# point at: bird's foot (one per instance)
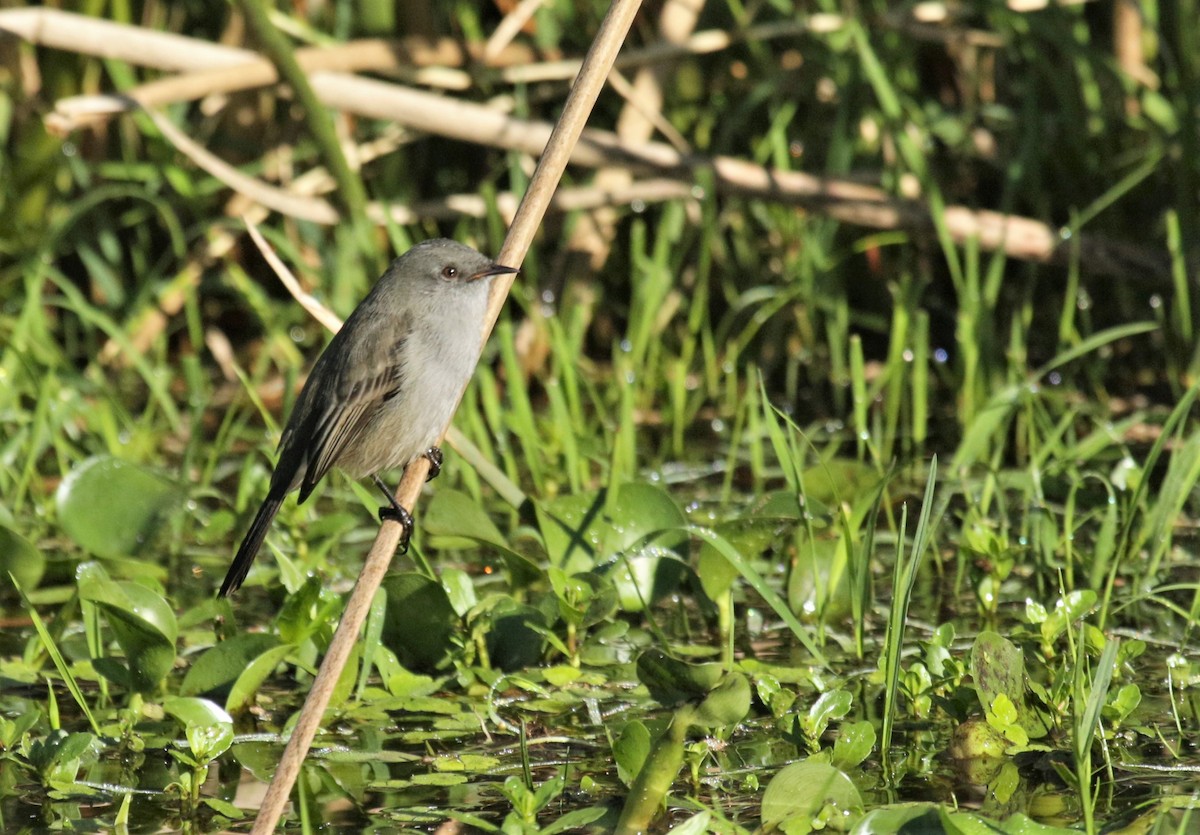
(434, 455)
(395, 512)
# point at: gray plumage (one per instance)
(385, 386)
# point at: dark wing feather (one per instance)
(351, 403)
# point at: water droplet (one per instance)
(718, 425)
(908, 355)
(940, 355)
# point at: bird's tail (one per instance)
(250, 545)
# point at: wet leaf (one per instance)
(452, 513)
(192, 712)
(630, 750)
(241, 695)
(111, 508)
(672, 682)
(142, 622)
(726, 704)
(420, 621)
(22, 558)
(809, 790)
(221, 665)
(512, 641)
(854, 744)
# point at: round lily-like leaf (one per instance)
(111, 508)
(810, 791)
(21, 558)
(644, 575)
(584, 529)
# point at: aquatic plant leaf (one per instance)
(854, 743)
(630, 750)
(809, 790)
(672, 682)
(149, 656)
(726, 704)
(453, 513)
(142, 622)
(221, 665)
(21, 558)
(512, 641)
(420, 620)
(111, 508)
(241, 695)
(193, 712)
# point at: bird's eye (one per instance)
(449, 272)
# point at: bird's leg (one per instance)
(435, 462)
(395, 512)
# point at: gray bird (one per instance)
(386, 385)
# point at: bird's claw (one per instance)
(396, 513)
(434, 456)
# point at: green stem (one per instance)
(650, 788)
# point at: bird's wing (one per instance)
(374, 376)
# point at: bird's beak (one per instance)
(494, 269)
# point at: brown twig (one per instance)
(520, 235)
(1019, 237)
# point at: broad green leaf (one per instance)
(451, 513)
(141, 621)
(832, 705)
(726, 704)
(221, 665)
(420, 621)
(854, 744)
(111, 508)
(149, 656)
(241, 695)
(585, 529)
(809, 790)
(630, 750)
(196, 712)
(901, 817)
(512, 641)
(21, 558)
(672, 682)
